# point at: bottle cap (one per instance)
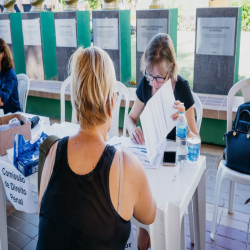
(182, 107)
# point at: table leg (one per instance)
(3, 219)
(183, 233)
(173, 231)
(199, 207)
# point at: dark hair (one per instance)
(160, 53)
(7, 61)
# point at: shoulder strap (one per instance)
(43, 152)
(120, 153)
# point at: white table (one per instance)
(173, 198)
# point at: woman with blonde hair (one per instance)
(158, 64)
(94, 190)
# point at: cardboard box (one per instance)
(7, 136)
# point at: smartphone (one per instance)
(169, 158)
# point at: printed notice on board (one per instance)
(17, 188)
(31, 32)
(106, 33)
(5, 31)
(216, 36)
(147, 28)
(65, 33)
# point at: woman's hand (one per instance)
(137, 136)
(1, 103)
(176, 106)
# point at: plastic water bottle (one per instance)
(181, 137)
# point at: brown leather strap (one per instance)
(43, 152)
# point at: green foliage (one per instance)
(245, 24)
(93, 4)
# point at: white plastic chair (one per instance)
(23, 90)
(199, 112)
(225, 172)
(123, 95)
(62, 101)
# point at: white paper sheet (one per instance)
(216, 36)
(5, 31)
(156, 119)
(65, 32)
(138, 150)
(31, 32)
(147, 28)
(105, 31)
(17, 188)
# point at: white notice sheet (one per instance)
(156, 119)
(31, 32)
(147, 28)
(105, 31)
(5, 31)
(216, 36)
(65, 32)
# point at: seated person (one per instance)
(9, 100)
(88, 203)
(158, 64)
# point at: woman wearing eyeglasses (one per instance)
(158, 63)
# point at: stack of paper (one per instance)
(139, 150)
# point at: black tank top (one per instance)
(76, 210)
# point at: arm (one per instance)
(133, 117)
(144, 203)
(6, 89)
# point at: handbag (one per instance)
(238, 145)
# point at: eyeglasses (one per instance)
(158, 79)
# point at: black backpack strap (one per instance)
(43, 152)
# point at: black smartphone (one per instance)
(169, 158)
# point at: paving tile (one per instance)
(248, 247)
(34, 220)
(14, 222)
(218, 248)
(209, 217)
(248, 239)
(239, 225)
(12, 247)
(31, 245)
(28, 229)
(229, 243)
(22, 215)
(244, 187)
(242, 193)
(10, 231)
(208, 239)
(209, 246)
(236, 215)
(210, 199)
(189, 245)
(36, 238)
(241, 208)
(19, 240)
(232, 233)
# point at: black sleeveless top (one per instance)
(76, 210)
